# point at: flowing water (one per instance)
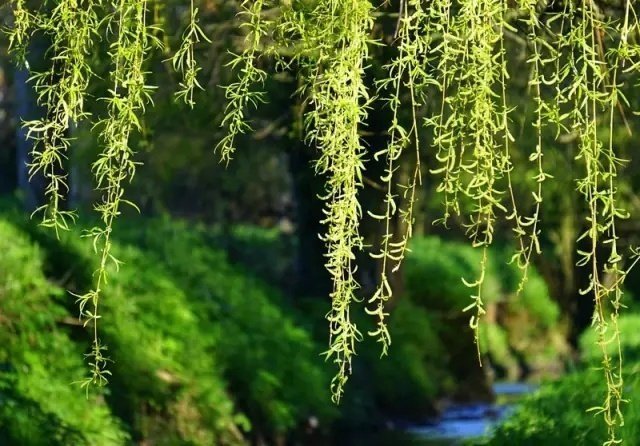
(458, 422)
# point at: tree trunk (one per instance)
(312, 279)
(8, 179)
(26, 108)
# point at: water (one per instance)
(458, 422)
(465, 421)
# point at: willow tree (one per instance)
(450, 60)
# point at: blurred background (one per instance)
(215, 320)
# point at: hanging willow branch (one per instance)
(240, 94)
(450, 59)
(445, 125)
(184, 60)
(527, 227)
(607, 324)
(339, 101)
(405, 73)
(73, 27)
(20, 32)
(115, 164)
(478, 127)
(587, 90)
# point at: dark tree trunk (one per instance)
(26, 108)
(8, 174)
(312, 279)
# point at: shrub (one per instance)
(201, 349)
(628, 323)
(271, 363)
(167, 381)
(517, 327)
(39, 405)
(409, 380)
(557, 414)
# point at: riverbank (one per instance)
(207, 352)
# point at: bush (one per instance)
(167, 380)
(201, 349)
(517, 327)
(39, 405)
(557, 414)
(432, 352)
(265, 253)
(409, 380)
(628, 324)
(435, 269)
(271, 363)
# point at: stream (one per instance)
(456, 423)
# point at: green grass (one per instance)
(203, 352)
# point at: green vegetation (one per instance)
(446, 74)
(199, 368)
(433, 354)
(40, 359)
(508, 105)
(206, 352)
(556, 414)
(447, 77)
(520, 328)
(255, 337)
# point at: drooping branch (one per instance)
(184, 60)
(451, 59)
(240, 94)
(406, 75)
(62, 89)
(115, 164)
(339, 103)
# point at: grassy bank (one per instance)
(205, 352)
